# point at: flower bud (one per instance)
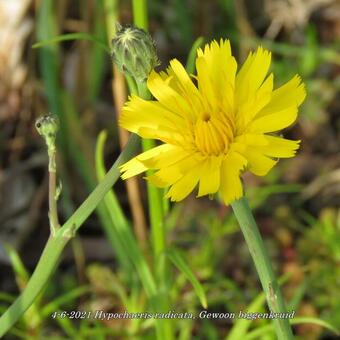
(47, 127)
(134, 52)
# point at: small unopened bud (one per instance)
(134, 52)
(47, 126)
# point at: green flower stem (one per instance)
(52, 194)
(155, 195)
(55, 245)
(140, 14)
(263, 266)
(156, 210)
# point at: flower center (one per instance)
(213, 134)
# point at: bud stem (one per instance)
(47, 126)
(52, 195)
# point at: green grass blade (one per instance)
(119, 217)
(54, 305)
(316, 321)
(6, 297)
(181, 265)
(264, 330)
(97, 55)
(140, 14)
(32, 317)
(72, 36)
(131, 249)
(68, 327)
(241, 326)
(49, 61)
(21, 273)
(190, 65)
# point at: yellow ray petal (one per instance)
(214, 50)
(205, 85)
(168, 97)
(231, 186)
(258, 163)
(274, 122)
(184, 186)
(279, 147)
(251, 139)
(185, 82)
(138, 113)
(170, 136)
(169, 155)
(257, 100)
(217, 66)
(170, 174)
(210, 176)
(252, 74)
(291, 94)
(135, 166)
(132, 168)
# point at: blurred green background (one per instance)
(296, 205)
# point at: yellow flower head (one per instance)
(214, 131)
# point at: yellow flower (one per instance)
(214, 131)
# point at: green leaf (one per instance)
(241, 326)
(179, 262)
(259, 332)
(72, 36)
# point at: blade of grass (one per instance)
(68, 327)
(140, 14)
(184, 20)
(119, 221)
(128, 241)
(54, 305)
(131, 249)
(6, 297)
(190, 65)
(32, 317)
(257, 333)
(241, 326)
(72, 36)
(181, 265)
(98, 56)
